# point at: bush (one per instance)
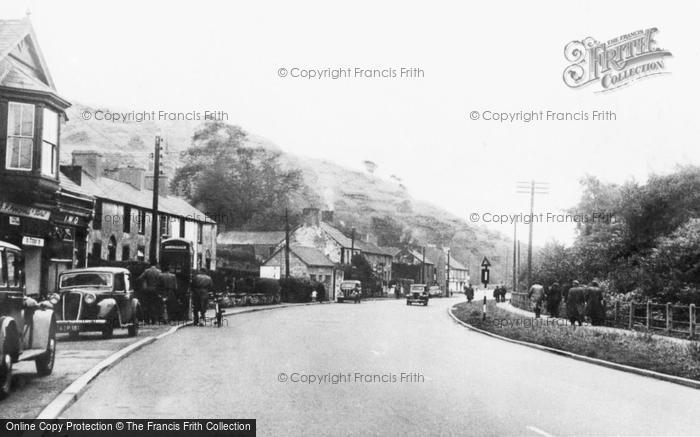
(295, 290)
(266, 286)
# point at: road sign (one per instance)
(485, 276)
(485, 263)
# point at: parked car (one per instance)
(418, 293)
(434, 291)
(27, 327)
(350, 290)
(97, 299)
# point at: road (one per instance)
(462, 383)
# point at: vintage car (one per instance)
(350, 290)
(97, 299)
(434, 291)
(418, 293)
(27, 327)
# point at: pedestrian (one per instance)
(168, 294)
(470, 293)
(503, 293)
(536, 295)
(595, 309)
(201, 285)
(553, 297)
(149, 281)
(576, 304)
(497, 293)
(397, 290)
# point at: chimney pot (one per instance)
(311, 216)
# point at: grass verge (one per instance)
(639, 349)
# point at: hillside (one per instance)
(356, 197)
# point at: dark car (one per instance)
(97, 299)
(350, 290)
(418, 293)
(27, 327)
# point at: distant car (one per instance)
(27, 327)
(418, 293)
(350, 290)
(434, 291)
(97, 299)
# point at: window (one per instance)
(313, 278)
(119, 283)
(112, 248)
(127, 219)
(97, 221)
(200, 231)
(141, 253)
(49, 143)
(164, 225)
(97, 249)
(20, 136)
(126, 252)
(15, 269)
(3, 272)
(182, 228)
(142, 222)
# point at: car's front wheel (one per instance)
(44, 364)
(5, 375)
(134, 328)
(108, 330)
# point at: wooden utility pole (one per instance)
(286, 243)
(155, 237)
(422, 267)
(531, 188)
(515, 256)
(447, 289)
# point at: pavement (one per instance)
(529, 314)
(380, 368)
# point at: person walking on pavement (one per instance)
(168, 294)
(536, 295)
(553, 297)
(502, 293)
(201, 284)
(595, 308)
(576, 304)
(470, 293)
(149, 280)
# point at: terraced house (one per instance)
(121, 230)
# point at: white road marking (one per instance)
(539, 431)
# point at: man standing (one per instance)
(536, 295)
(150, 280)
(502, 293)
(594, 304)
(201, 284)
(168, 294)
(576, 304)
(553, 297)
(470, 293)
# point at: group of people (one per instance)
(164, 299)
(580, 301)
(499, 293)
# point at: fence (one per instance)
(668, 318)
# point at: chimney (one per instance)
(73, 172)
(327, 216)
(311, 216)
(163, 185)
(133, 176)
(90, 161)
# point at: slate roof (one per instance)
(337, 235)
(456, 265)
(272, 238)
(120, 192)
(13, 73)
(372, 248)
(310, 256)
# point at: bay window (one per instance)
(49, 143)
(20, 136)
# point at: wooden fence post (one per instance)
(631, 322)
(648, 315)
(692, 321)
(617, 311)
(669, 317)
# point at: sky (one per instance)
(501, 56)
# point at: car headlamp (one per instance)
(90, 298)
(54, 298)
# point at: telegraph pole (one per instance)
(531, 188)
(515, 255)
(154, 213)
(286, 243)
(447, 289)
(422, 267)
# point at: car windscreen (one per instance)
(417, 288)
(86, 279)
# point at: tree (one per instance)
(241, 187)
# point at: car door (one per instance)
(12, 286)
(120, 296)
